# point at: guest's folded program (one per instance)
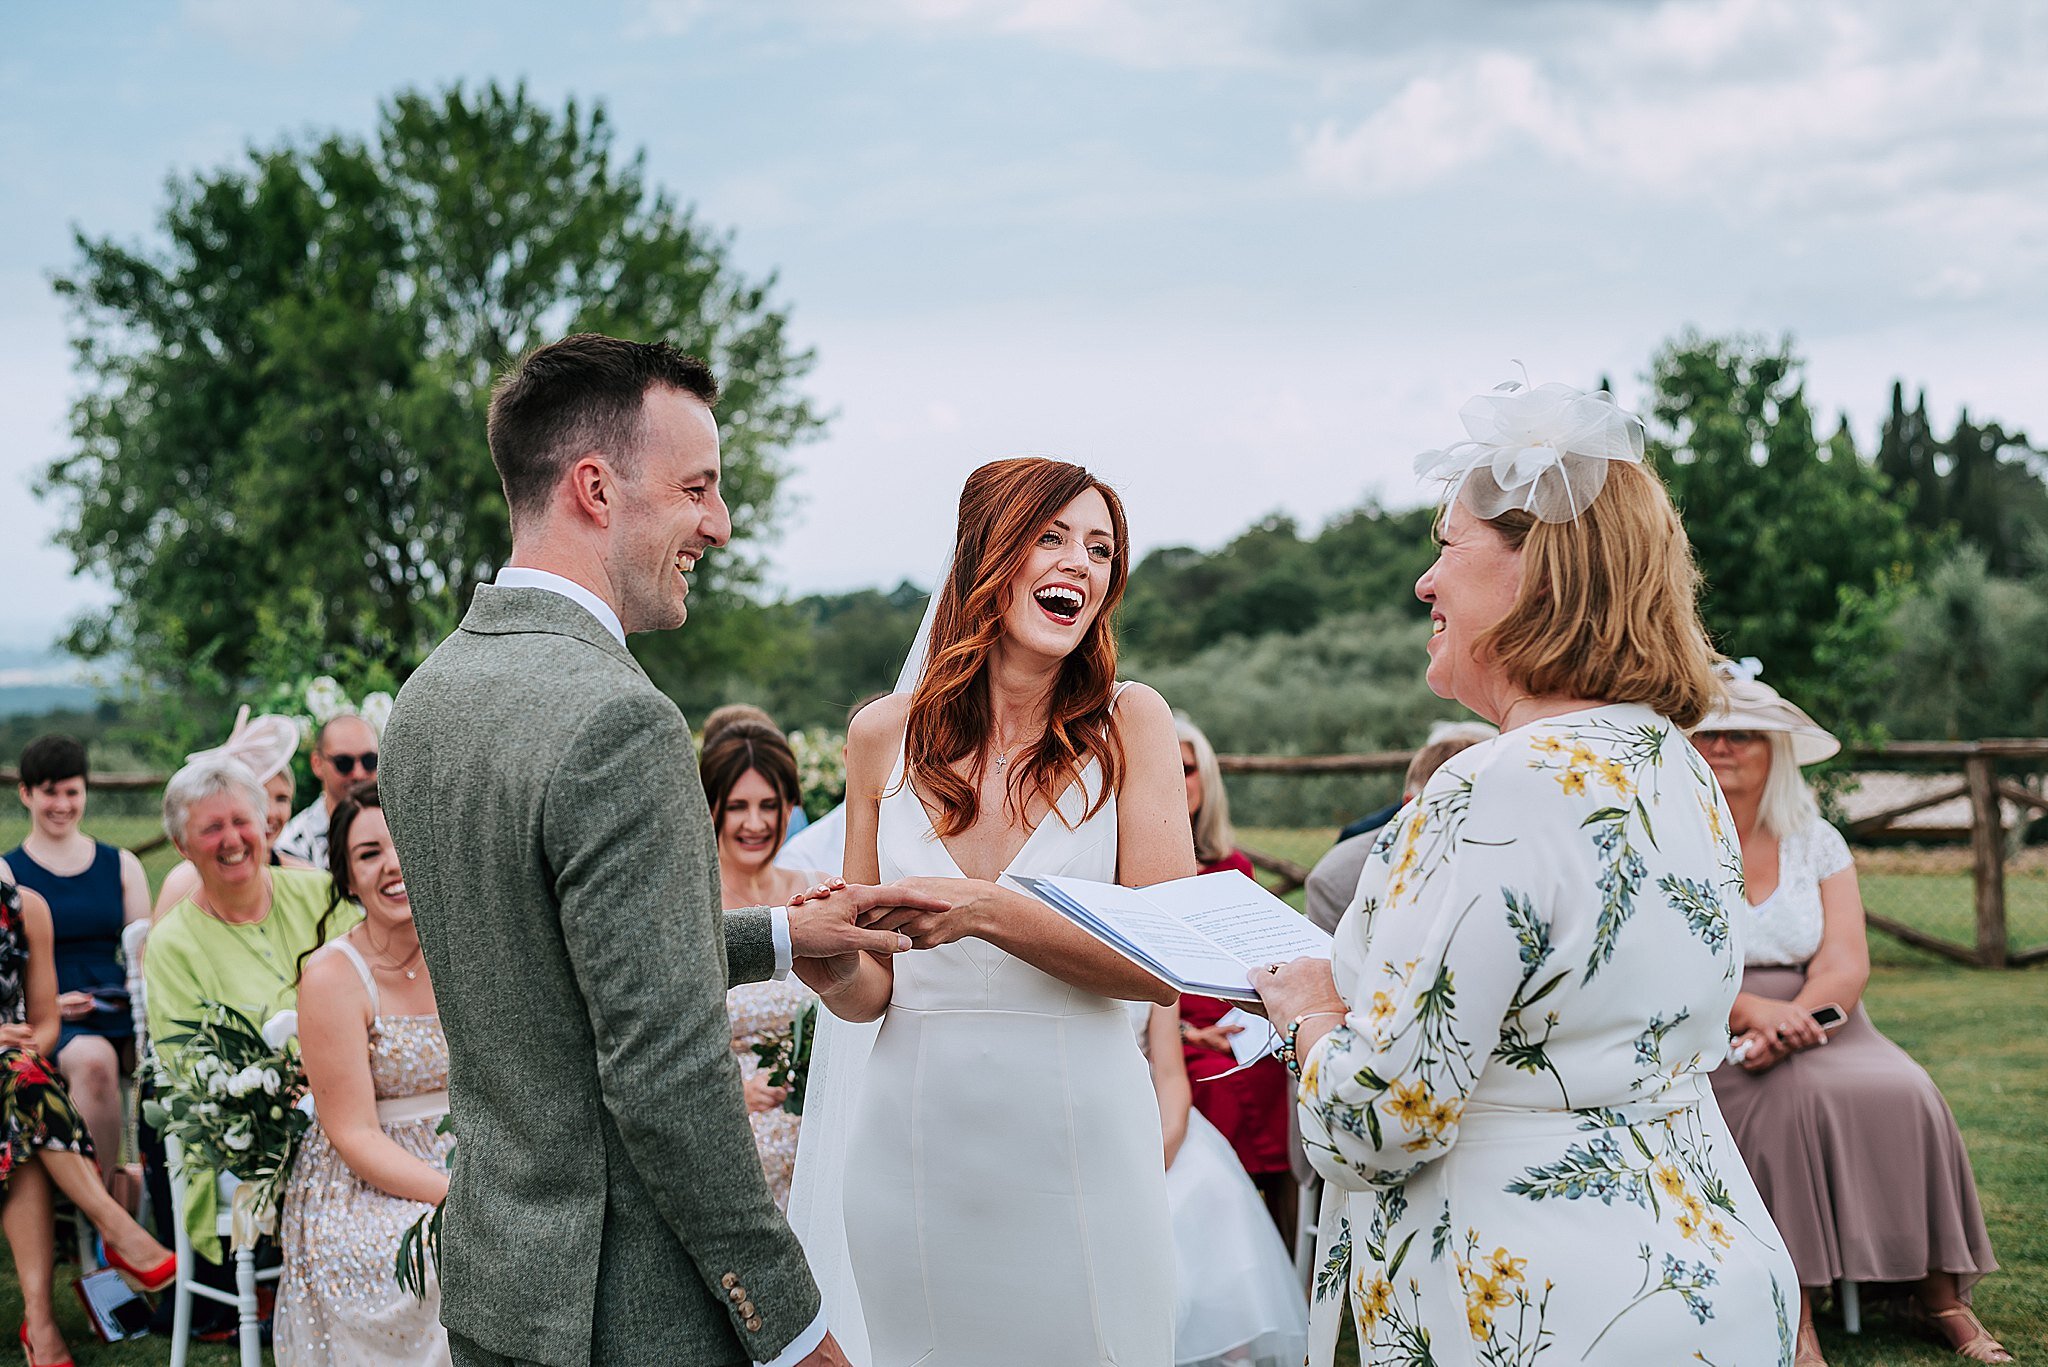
(1848, 1138)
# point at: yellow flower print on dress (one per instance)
(1670, 1180)
(1375, 1301)
(1504, 1268)
(1410, 1104)
(1573, 781)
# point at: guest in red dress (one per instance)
(1249, 1107)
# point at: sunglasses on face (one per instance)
(346, 764)
(1732, 737)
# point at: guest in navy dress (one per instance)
(93, 890)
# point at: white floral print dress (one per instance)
(1525, 1164)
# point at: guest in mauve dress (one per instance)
(1250, 1108)
(1851, 1145)
(750, 781)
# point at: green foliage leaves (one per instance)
(281, 450)
(1803, 549)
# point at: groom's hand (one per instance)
(826, 1354)
(825, 922)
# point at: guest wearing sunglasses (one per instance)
(344, 754)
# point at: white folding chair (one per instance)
(1851, 1302)
(243, 1298)
(1308, 1212)
(130, 1140)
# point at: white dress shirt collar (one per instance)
(524, 577)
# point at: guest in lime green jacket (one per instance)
(238, 938)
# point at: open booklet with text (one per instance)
(1204, 934)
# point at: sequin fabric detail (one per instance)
(339, 1305)
(759, 1010)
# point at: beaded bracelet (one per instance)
(1290, 1055)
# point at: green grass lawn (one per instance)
(1976, 1032)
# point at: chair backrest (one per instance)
(133, 935)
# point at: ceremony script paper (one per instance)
(1204, 934)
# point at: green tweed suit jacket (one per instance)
(606, 1201)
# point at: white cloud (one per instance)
(666, 18)
(1837, 103)
(277, 31)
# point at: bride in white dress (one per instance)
(1004, 1198)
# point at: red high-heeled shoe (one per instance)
(150, 1280)
(30, 1358)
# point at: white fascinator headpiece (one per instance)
(265, 745)
(1543, 449)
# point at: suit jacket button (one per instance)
(746, 1310)
(754, 1325)
(736, 1294)
(729, 1280)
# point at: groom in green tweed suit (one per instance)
(606, 1202)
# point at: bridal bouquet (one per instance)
(229, 1092)
(786, 1057)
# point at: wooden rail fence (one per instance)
(1985, 779)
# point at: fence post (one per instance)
(1987, 843)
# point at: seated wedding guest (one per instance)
(1503, 1067)
(722, 717)
(344, 754)
(375, 1162)
(1237, 1302)
(1335, 876)
(93, 890)
(42, 1139)
(1248, 1107)
(821, 845)
(238, 938)
(1851, 1144)
(750, 784)
(265, 745)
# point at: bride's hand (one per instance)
(968, 902)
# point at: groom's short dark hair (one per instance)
(583, 393)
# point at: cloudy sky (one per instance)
(1237, 255)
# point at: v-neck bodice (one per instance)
(972, 974)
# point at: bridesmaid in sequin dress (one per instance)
(378, 1065)
(750, 780)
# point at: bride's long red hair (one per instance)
(1003, 509)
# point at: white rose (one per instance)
(325, 700)
(376, 710)
(271, 1081)
(305, 1106)
(238, 1140)
(279, 1028)
(217, 1084)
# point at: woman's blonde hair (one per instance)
(1788, 806)
(1609, 604)
(1215, 837)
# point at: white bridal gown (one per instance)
(1005, 1203)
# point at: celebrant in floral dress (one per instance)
(750, 781)
(376, 1162)
(1504, 1066)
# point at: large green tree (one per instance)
(1802, 545)
(1983, 485)
(280, 453)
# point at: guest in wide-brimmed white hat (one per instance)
(1851, 1144)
